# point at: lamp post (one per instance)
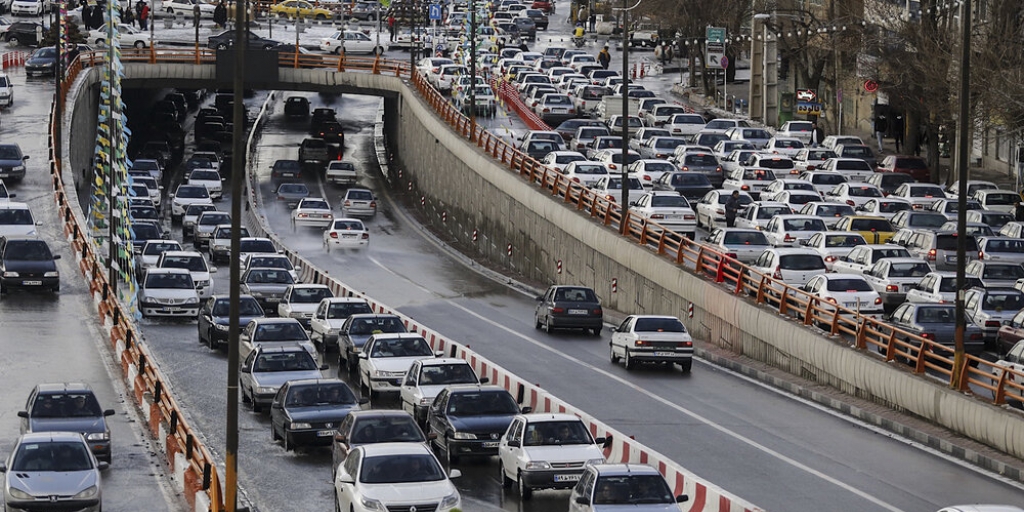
(963, 141)
(624, 176)
(472, 70)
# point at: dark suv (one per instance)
(26, 262)
(68, 407)
(296, 106)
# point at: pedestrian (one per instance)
(73, 53)
(391, 26)
(96, 22)
(881, 126)
(604, 58)
(593, 21)
(583, 15)
(138, 12)
(220, 14)
(665, 53)
(897, 132)
(817, 134)
(732, 207)
(144, 16)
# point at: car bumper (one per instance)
(263, 399)
(269, 303)
(474, 447)
(311, 437)
(384, 385)
(351, 242)
(177, 310)
(217, 252)
(552, 478)
(570, 322)
(341, 180)
(660, 356)
(62, 505)
(12, 174)
(893, 299)
(313, 223)
(38, 70)
(360, 212)
(101, 449)
(31, 282)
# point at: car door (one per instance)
(26, 425)
(510, 447)
(278, 415)
(622, 335)
(875, 275)
(347, 477)
(245, 373)
(365, 362)
(583, 489)
(546, 301)
(410, 391)
(437, 419)
(318, 324)
(771, 231)
(205, 320)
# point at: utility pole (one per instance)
(625, 114)
(963, 139)
(113, 188)
(472, 70)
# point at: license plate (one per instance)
(664, 354)
(850, 304)
(348, 236)
(325, 433)
(673, 217)
(5, 175)
(32, 283)
(567, 478)
(950, 259)
(577, 311)
(288, 174)
(491, 444)
(558, 110)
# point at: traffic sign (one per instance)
(725, 62)
(806, 95)
(715, 35)
(870, 85)
(435, 12)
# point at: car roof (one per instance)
(13, 206)
(384, 449)
(308, 286)
(166, 270)
(547, 416)
(788, 251)
(63, 387)
(842, 276)
(51, 436)
(269, 320)
(397, 335)
(468, 388)
(624, 469)
(438, 361)
(277, 348)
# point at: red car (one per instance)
(545, 5)
(912, 165)
(1010, 334)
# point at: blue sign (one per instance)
(435, 12)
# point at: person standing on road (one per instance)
(593, 21)
(881, 126)
(897, 132)
(582, 15)
(144, 16)
(732, 207)
(391, 26)
(604, 58)
(817, 134)
(220, 14)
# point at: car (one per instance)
(341, 173)
(735, 159)
(296, 106)
(196, 266)
(681, 125)
(301, 300)
(809, 159)
(854, 169)
(862, 257)
(55, 469)
(26, 262)
(151, 251)
(857, 151)
(609, 187)
(889, 182)
(585, 135)
(829, 212)
(744, 245)
(467, 419)
(214, 318)
(920, 195)
(546, 451)
(307, 412)
(274, 332)
(995, 274)
(286, 170)
(42, 60)
(953, 191)
(486, 102)
(892, 278)
(796, 199)
(850, 291)
(394, 476)
(291, 193)
(312, 212)
(876, 230)
(660, 115)
(12, 163)
(266, 285)
(651, 339)
(937, 323)
(1000, 248)
(168, 292)
(833, 245)
(692, 186)
(127, 35)
(669, 210)
(1013, 229)
(710, 209)
(602, 143)
(266, 368)
(385, 359)
(721, 125)
(997, 200)
(359, 202)
(6, 90)
(1008, 341)
(361, 427)
(585, 172)
(914, 166)
(651, 169)
(293, 9)
(823, 181)
(725, 148)
(758, 213)
(918, 220)
(426, 379)
(831, 141)
(704, 163)
(149, 165)
(346, 233)
(220, 242)
(557, 160)
(756, 136)
(569, 307)
(187, 6)
(226, 39)
(16, 219)
(789, 230)
(988, 309)
(939, 287)
(351, 41)
(974, 229)
(853, 194)
(205, 224)
(939, 248)
(330, 316)
(356, 330)
(750, 180)
(568, 128)
(800, 130)
(609, 487)
(783, 146)
(886, 207)
(68, 407)
(186, 195)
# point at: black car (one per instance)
(373, 426)
(41, 62)
(569, 307)
(527, 28)
(330, 132)
(568, 128)
(320, 116)
(12, 162)
(469, 419)
(540, 20)
(356, 330)
(286, 170)
(144, 212)
(214, 318)
(143, 230)
(296, 106)
(691, 185)
(25, 32)
(68, 407)
(308, 412)
(26, 262)
(226, 40)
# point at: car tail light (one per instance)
(810, 167)
(657, 216)
(732, 255)
(348, 203)
(981, 255)
(684, 344)
(745, 187)
(931, 255)
(685, 168)
(660, 155)
(334, 234)
(976, 336)
(892, 288)
(778, 273)
(576, 180)
(789, 238)
(557, 310)
(641, 343)
(928, 336)
(545, 110)
(597, 311)
(718, 169)
(878, 300)
(610, 198)
(647, 178)
(850, 202)
(572, 110)
(830, 259)
(687, 216)
(303, 215)
(612, 166)
(720, 211)
(992, 323)
(830, 299)
(373, 204)
(366, 236)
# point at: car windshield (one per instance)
(342, 310)
(682, 178)
(801, 262)
(744, 238)
(996, 271)
(190, 263)
(256, 246)
(834, 210)
(864, 192)
(775, 163)
(948, 284)
(893, 206)
(568, 159)
(590, 169)
(788, 143)
(203, 175)
(293, 361)
(319, 395)
(401, 347)
(608, 142)
(140, 231)
(195, 210)
(616, 184)
(385, 430)
(292, 188)
(52, 456)
(895, 252)
(926, 191)
(169, 281)
(828, 179)
(371, 325)
(214, 220)
(667, 201)
(267, 276)
(927, 220)
(311, 295)
(269, 262)
(872, 225)
(15, 216)
(857, 151)
(948, 242)
(1016, 246)
(1003, 301)
(852, 165)
(767, 212)
(758, 175)
(247, 306)
(936, 314)
(28, 250)
(460, 373)
(348, 225)
(192, 192)
(280, 331)
(844, 240)
(658, 324)
(65, 405)
(314, 204)
(848, 285)
(632, 490)
(575, 295)
(699, 160)
(401, 468)
(911, 269)
(823, 154)
(555, 433)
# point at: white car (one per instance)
(205, 225)
(210, 179)
(394, 476)
(168, 292)
(823, 181)
(780, 185)
(756, 136)
(831, 141)
(681, 125)
(610, 188)
(721, 125)
(274, 332)
(632, 487)
(796, 199)
(186, 6)
(300, 301)
(429, 67)
(780, 164)
(152, 250)
(612, 158)
(736, 159)
(16, 219)
(385, 359)
(710, 209)
(347, 233)
(351, 41)
(650, 169)
(827, 211)
(800, 130)
(920, 195)
(744, 245)
(750, 180)
(791, 265)
(892, 278)
(312, 212)
(669, 210)
(784, 146)
(585, 172)
(191, 216)
(834, 245)
(329, 317)
(186, 195)
(27, 8)
(854, 194)
(997, 200)
(953, 191)
(651, 339)
(939, 287)
(809, 159)
(427, 377)
(359, 202)
(794, 229)
(884, 207)
(949, 208)
(850, 291)
(863, 257)
(128, 35)
(854, 169)
(546, 451)
(6, 90)
(196, 266)
(557, 160)
(757, 215)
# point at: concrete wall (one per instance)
(82, 136)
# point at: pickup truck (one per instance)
(313, 151)
(341, 173)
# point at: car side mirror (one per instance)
(582, 500)
(484, 380)
(706, 239)
(439, 353)
(362, 355)
(245, 369)
(275, 405)
(108, 412)
(682, 498)
(340, 438)
(12, 196)
(102, 466)
(526, 410)
(345, 478)
(454, 473)
(325, 367)
(25, 157)
(23, 414)
(3, 467)
(540, 298)
(213, 270)
(364, 401)
(805, 243)
(56, 256)
(515, 442)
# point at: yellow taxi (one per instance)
(301, 9)
(875, 230)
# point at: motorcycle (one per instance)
(579, 41)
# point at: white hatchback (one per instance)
(385, 359)
(546, 451)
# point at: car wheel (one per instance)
(13, 41)
(596, 331)
(351, 361)
(547, 326)
(140, 44)
(506, 482)
(245, 397)
(337, 51)
(320, 17)
(525, 491)
(628, 361)
(536, 323)
(55, 289)
(686, 366)
(286, 441)
(611, 354)
(170, 10)
(99, 42)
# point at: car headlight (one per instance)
(373, 505)
(52, 274)
(426, 401)
(450, 501)
(91, 492)
(463, 435)
(266, 389)
(300, 425)
(593, 462)
(192, 300)
(10, 274)
(221, 327)
(20, 494)
(538, 464)
(98, 436)
(18, 168)
(48, 65)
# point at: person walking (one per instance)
(817, 134)
(732, 207)
(604, 58)
(583, 15)
(593, 20)
(144, 16)
(391, 26)
(881, 126)
(220, 14)
(897, 132)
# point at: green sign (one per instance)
(716, 35)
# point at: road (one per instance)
(47, 338)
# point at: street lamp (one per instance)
(624, 176)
